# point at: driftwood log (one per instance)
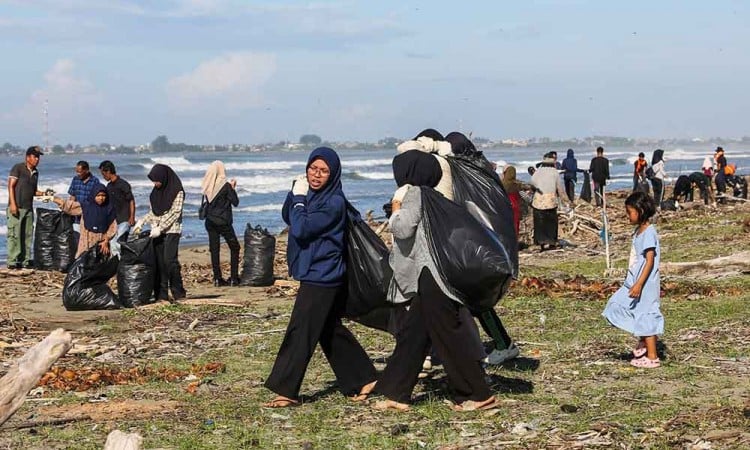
(27, 372)
(118, 440)
(736, 263)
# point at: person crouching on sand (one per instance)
(315, 211)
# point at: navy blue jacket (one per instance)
(315, 248)
(570, 165)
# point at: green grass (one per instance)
(573, 360)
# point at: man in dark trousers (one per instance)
(22, 187)
(720, 161)
(599, 169)
(570, 166)
(121, 194)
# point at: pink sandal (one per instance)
(645, 363)
(639, 352)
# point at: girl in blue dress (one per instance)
(635, 306)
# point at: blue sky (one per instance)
(230, 71)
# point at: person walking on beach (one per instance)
(432, 142)
(220, 196)
(657, 180)
(720, 163)
(434, 316)
(549, 192)
(98, 219)
(165, 217)
(635, 307)
(570, 176)
(120, 195)
(504, 349)
(599, 169)
(23, 181)
(315, 210)
(639, 173)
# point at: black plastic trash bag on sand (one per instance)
(470, 257)
(85, 286)
(477, 188)
(586, 188)
(367, 269)
(54, 246)
(137, 271)
(257, 264)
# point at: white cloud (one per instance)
(72, 99)
(233, 81)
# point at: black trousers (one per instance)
(316, 318)
(599, 193)
(658, 186)
(168, 273)
(570, 188)
(433, 318)
(214, 246)
(493, 326)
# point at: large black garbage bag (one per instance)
(54, 246)
(257, 264)
(137, 271)
(470, 257)
(85, 286)
(586, 188)
(367, 269)
(476, 187)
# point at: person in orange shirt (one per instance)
(639, 174)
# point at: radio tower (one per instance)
(46, 126)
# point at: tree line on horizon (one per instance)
(161, 144)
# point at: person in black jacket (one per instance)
(599, 169)
(220, 197)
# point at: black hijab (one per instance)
(430, 133)
(461, 145)
(658, 156)
(416, 168)
(97, 218)
(163, 197)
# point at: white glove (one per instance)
(398, 196)
(137, 227)
(300, 186)
(410, 145)
(155, 232)
(443, 148)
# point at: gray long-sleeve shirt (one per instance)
(411, 251)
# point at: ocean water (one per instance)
(263, 178)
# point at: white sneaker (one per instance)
(427, 364)
(497, 357)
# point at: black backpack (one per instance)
(650, 172)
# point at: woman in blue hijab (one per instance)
(315, 210)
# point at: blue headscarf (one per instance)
(97, 218)
(333, 186)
